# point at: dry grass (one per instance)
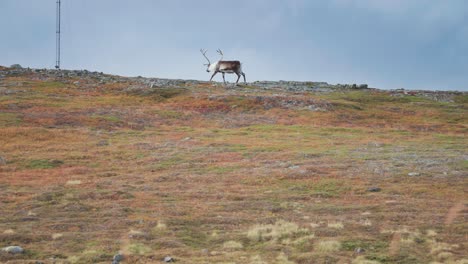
(336, 225)
(281, 229)
(210, 175)
(232, 245)
(327, 246)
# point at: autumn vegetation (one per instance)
(212, 174)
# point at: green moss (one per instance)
(10, 119)
(169, 114)
(329, 188)
(110, 118)
(461, 165)
(44, 164)
(373, 97)
(46, 85)
(168, 163)
(192, 237)
(159, 94)
(139, 249)
(461, 99)
(400, 259)
(223, 170)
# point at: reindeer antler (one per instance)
(220, 53)
(203, 52)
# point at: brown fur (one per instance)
(229, 67)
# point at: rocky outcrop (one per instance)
(77, 77)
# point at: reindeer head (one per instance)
(209, 65)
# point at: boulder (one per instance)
(13, 249)
(16, 66)
(168, 259)
(3, 161)
(374, 189)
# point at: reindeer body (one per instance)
(224, 67)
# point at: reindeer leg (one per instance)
(238, 77)
(213, 76)
(243, 74)
(224, 79)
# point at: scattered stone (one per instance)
(293, 167)
(117, 258)
(359, 250)
(143, 85)
(412, 174)
(13, 249)
(3, 161)
(16, 67)
(374, 189)
(136, 233)
(168, 259)
(375, 144)
(102, 143)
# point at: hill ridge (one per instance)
(293, 86)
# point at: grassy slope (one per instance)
(209, 175)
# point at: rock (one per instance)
(102, 143)
(13, 249)
(375, 144)
(16, 66)
(374, 189)
(117, 258)
(359, 250)
(137, 234)
(3, 161)
(412, 174)
(168, 259)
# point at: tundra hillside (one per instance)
(92, 165)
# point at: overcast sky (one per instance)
(413, 44)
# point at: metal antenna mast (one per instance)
(57, 51)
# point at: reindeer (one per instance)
(223, 66)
